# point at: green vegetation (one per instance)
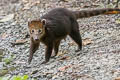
(25, 77)
(18, 77)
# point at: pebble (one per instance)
(95, 60)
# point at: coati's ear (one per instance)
(29, 23)
(43, 22)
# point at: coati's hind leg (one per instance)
(56, 47)
(75, 35)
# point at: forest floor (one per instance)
(98, 60)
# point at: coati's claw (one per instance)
(29, 61)
(44, 62)
(53, 56)
(77, 50)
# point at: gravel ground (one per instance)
(97, 61)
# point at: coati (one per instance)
(54, 26)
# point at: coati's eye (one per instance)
(39, 31)
(32, 31)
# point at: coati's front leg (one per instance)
(48, 52)
(56, 48)
(33, 47)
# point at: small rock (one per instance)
(35, 71)
(7, 18)
(14, 23)
(1, 65)
(1, 51)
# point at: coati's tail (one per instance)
(90, 13)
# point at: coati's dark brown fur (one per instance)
(54, 26)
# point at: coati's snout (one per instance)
(36, 34)
(36, 38)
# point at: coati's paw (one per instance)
(29, 61)
(77, 50)
(53, 56)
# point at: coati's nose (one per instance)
(36, 39)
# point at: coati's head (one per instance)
(37, 29)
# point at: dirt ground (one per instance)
(98, 60)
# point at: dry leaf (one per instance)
(54, 77)
(64, 0)
(72, 43)
(20, 62)
(87, 41)
(35, 3)
(113, 71)
(62, 53)
(64, 58)
(118, 78)
(95, 5)
(64, 68)
(4, 35)
(28, 5)
(25, 1)
(19, 42)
